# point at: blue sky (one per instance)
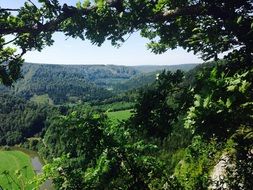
(75, 51)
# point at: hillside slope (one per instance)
(58, 84)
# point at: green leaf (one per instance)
(213, 73)
(197, 101)
(231, 88)
(86, 3)
(196, 29)
(207, 101)
(239, 20)
(78, 5)
(244, 87)
(228, 103)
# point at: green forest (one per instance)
(181, 127)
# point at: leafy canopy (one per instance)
(208, 27)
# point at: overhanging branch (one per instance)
(69, 11)
(7, 9)
(167, 15)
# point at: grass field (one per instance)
(42, 99)
(117, 116)
(11, 162)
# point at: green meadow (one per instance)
(16, 170)
(117, 116)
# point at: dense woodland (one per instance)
(46, 90)
(20, 119)
(60, 84)
(145, 150)
(188, 130)
(153, 145)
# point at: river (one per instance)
(37, 164)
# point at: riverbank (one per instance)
(18, 167)
(16, 170)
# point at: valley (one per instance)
(60, 84)
(132, 115)
(46, 91)
(116, 127)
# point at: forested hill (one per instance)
(101, 75)
(58, 84)
(153, 68)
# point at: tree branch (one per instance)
(69, 11)
(7, 9)
(33, 4)
(193, 10)
(6, 43)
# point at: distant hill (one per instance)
(101, 75)
(153, 68)
(135, 82)
(70, 83)
(58, 84)
(148, 75)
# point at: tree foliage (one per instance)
(206, 27)
(20, 119)
(97, 155)
(157, 108)
(216, 106)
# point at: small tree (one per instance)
(157, 108)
